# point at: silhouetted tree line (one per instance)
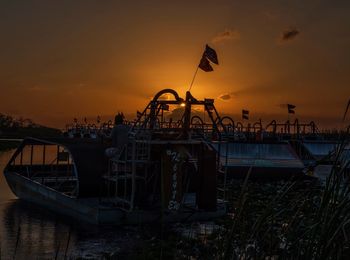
(11, 127)
(8, 122)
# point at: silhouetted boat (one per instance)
(157, 174)
(167, 168)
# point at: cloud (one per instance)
(226, 96)
(251, 91)
(289, 34)
(228, 34)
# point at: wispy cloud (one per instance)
(250, 91)
(226, 96)
(289, 35)
(227, 35)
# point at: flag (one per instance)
(346, 110)
(291, 109)
(211, 55)
(205, 65)
(245, 114)
(165, 107)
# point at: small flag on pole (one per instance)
(209, 54)
(291, 109)
(205, 65)
(165, 107)
(245, 114)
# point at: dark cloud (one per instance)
(275, 91)
(228, 34)
(226, 96)
(249, 91)
(289, 34)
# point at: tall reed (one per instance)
(303, 220)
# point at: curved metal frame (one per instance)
(34, 141)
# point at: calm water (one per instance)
(40, 234)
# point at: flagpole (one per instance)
(194, 76)
(346, 111)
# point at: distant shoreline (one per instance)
(10, 138)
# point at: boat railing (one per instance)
(46, 163)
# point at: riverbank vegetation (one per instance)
(18, 128)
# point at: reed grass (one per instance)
(295, 219)
(311, 223)
(17, 241)
(68, 241)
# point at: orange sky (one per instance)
(66, 59)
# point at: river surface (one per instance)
(32, 232)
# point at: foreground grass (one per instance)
(280, 220)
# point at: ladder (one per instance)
(129, 168)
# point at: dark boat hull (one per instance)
(95, 210)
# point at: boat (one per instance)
(159, 174)
(167, 168)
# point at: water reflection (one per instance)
(41, 234)
(5, 192)
(34, 232)
(29, 231)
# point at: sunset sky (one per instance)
(75, 58)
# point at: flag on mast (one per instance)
(209, 55)
(291, 109)
(205, 65)
(245, 114)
